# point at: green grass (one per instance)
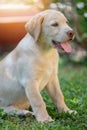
(73, 81)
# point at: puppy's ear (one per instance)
(34, 26)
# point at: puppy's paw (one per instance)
(67, 110)
(24, 112)
(71, 111)
(44, 119)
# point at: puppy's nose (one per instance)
(70, 34)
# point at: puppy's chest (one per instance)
(43, 73)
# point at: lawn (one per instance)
(73, 81)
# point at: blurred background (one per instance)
(15, 13)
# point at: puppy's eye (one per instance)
(55, 24)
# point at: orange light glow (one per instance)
(13, 6)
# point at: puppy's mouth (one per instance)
(65, 46)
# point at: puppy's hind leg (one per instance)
(11, 110)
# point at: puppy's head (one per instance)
(51, 28)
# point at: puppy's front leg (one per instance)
(37, 103)
(53, 88)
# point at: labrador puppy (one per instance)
(33, 65)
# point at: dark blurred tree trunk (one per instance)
(66, 0)
(54, 1)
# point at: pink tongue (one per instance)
(66, 46)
